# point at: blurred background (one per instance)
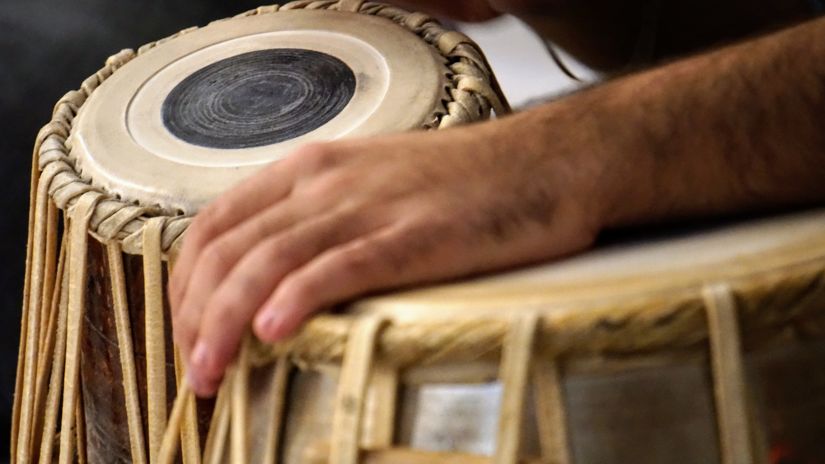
(48, 47)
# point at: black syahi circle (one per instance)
(258, 98)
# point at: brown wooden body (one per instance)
(103, 398)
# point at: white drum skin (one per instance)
(400, 81)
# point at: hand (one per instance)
(337, 220)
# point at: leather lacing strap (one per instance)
(52, 406)
(348, 416)
(155, 334)
(79, 238)
(551, 412)
(728, 375)
(46, 358)
(169, 442)
(35, 297)
(514, 375)
(21, 355)
(123, 325)
(219, 426)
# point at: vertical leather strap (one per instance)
(155, 334)
(169, 443)
(45, 368)
(189, 435)
(382, 397)
(352, 385)
(120, 305)
(278, 388)
(55, 389)
(514, 375)
(33, 309)
(728, 375)
(79, 240)
(219, 426)
(551, 412)
(239, 432)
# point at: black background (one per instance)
(48, 47)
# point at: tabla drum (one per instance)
(689, 346)
(150, 138)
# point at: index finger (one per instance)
(265, 188)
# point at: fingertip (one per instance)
(268, 325)
(273, 325)
(199, 386)
(204, 375)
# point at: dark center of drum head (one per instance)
(258, 98)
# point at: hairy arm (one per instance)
(736, 129)
(741, 128)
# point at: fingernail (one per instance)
(200, 356)
(268, 324)
(200, 360)
(194, 382)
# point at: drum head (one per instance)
(186, 120)
(756, 257)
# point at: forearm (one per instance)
(742, 128)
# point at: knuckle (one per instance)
(360, 257)
(317, 157)
(283, 251)
(299, 289)
(330, 185)
(216, 255)
(423, 237)
(393, 254)
(208, 222)
(222, 309)
(243, 286)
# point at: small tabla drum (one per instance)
(133, 154)
(696, 346)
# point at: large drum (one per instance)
(154, 135)
(683, 346)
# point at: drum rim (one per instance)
(471, 87)
(669, 323)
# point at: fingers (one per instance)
(371, 263)
(240, 203)
(265, 189)
(228, 307)
(215, 261)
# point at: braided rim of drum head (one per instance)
(473, 92)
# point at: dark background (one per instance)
(48, 47)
